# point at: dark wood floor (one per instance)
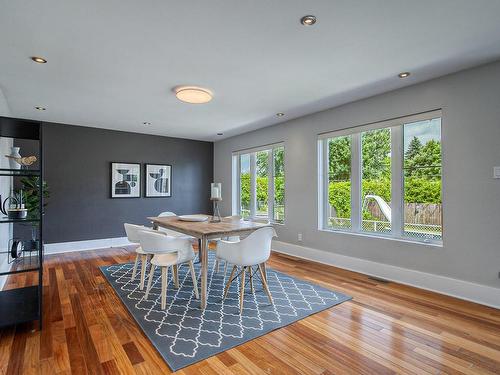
(387, 328)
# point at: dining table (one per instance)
(205, 231)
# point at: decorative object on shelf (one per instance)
(13, 206)
(125, 180)
(14, 154)
(22, 162)
(216, 197)
(16, 247)
(158, 181)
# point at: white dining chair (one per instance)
(132, 232)
(167, 252)
(247, 253)
(231, 239)
(170, 232)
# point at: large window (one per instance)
(260, 183)
(384, 179)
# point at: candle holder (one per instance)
(216, 216)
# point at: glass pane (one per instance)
(245, 185)
(376, 181)
(339, 182)
(262, 163)
(422, 180)
(279, 184)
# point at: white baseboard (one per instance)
(3, 279)
(67, 247)
(483, 294)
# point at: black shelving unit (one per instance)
(22, 305)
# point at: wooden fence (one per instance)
(424, 213)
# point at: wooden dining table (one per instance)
(205, 231)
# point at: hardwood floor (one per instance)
(387, 328)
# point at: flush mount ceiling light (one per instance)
(40, 108)
(146, 123)
(308, 20)
(39, 60)
(193, 94)
(280, 114)
(404, 74)
(220, 133)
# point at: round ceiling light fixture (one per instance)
(308, 20)
(280, 114)
(39, 60)
(404, 74)
(39, 108)
(146, 123)
(193, 94)
(219, 134)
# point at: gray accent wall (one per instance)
(470, 101)
(77, 169)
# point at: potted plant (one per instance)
(31, 190)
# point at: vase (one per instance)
(14, 154)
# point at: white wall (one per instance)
(470, 101)
(5, 185)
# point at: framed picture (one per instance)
(125, 180)
(158, 180)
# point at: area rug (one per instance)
(183, 334)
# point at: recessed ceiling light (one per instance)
(280, 114)
(40, 108)
(404, 74)
(146, 123)
(193, 95)
(308, 20)
(38, 59)
(220, 133)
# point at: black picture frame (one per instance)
(112, 191)
(147, 180)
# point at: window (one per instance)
(384, 179)
(260, 183)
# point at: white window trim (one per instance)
(397, 188)
(236, 198)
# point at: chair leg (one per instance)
(242, 290)
(164, 281)
(229, 281)
(150, 280)
(225, 268)
(134, 270)
(251, 279)
(175, 274)
(264, 283)
(144, 262)
(216, 265)
(264, 270)
(193, 276)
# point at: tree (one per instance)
(376, 150)
(339, 152)
(414, 148)
(426, 163)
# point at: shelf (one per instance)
(19, 172)
(5, 219)
(18, 306)
(26, 263)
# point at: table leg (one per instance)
(199, 251)
(204, 271)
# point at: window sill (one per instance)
(438, 244)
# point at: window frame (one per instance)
(397, 177)
(236, 181)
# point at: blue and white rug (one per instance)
(183, 334)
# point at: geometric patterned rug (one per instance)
(183, 334)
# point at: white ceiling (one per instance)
(112, 63)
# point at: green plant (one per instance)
(31, 192)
